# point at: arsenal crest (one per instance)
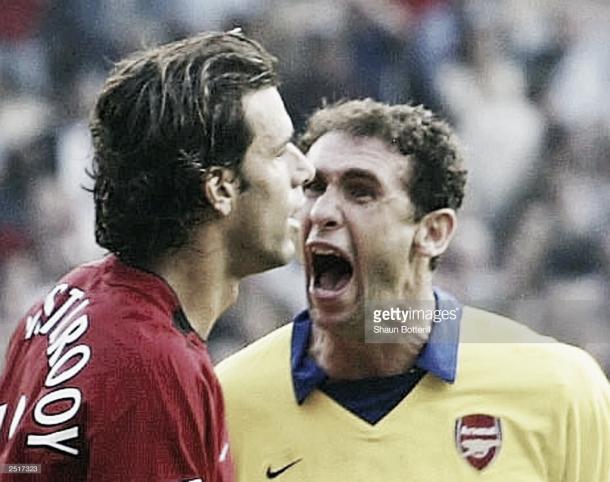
(478, 438)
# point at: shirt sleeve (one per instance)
(587, 456)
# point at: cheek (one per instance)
(277, 185)
(384, 250)
(303, 213)
(303, 217)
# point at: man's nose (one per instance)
(303, 170)
(324, 213)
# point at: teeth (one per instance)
(324, 251)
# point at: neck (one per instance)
(344, 357)
(199, 274)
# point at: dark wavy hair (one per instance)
(438, 176)
(164, 116)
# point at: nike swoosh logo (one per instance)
(272, 474)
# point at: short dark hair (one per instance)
(164, 116)
(438, 176)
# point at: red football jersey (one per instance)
(105, 380)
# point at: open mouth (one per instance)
(331, 271)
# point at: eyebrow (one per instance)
(356, 173)
(349, 175)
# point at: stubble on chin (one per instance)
(351, 326)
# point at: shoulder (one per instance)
(258, 361)
(150, 381)
(481, 326)
(528, 359)
(268, 348)
(135, 348)
(257, 383)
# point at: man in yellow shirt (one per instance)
(384, 377)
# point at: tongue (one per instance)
(333, 279)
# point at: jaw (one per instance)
(254, 253)
(333, 309)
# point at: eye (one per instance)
(314, 188)
(281, 152)
(361, 192)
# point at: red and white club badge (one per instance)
(478, 438)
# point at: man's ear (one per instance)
(435, 231)
(220, 187)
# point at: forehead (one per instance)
(337, 152)
(266, 115)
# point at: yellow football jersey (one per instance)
(523, 409)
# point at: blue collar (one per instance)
(439, 355)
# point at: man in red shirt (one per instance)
(108, 377)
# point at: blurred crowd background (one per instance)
(525, 83)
